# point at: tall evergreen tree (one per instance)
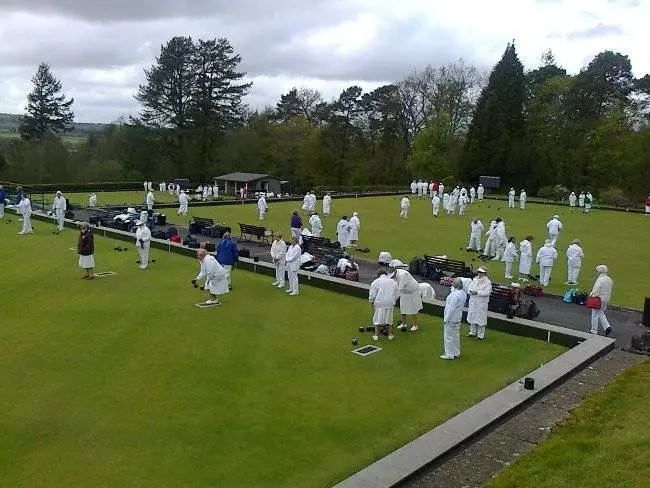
(48, 112)
(494, 140)
(165, 97)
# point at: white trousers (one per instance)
(461, 210)
(262, 213)
(280, 266)
(435, 211)
(404, 213)
(2, 210)
(598, 318)
(451, 337)
(144, 252)
(500, 248)
(27, 224)
(228, 269)
(182, 210)
(553, 238)
(474, 242)
(511, 203)
(573, 274)
(490, 247)
(545, 275)
(477, 330)
(522, 205)
(60, 216)
(508, 269)
(293, 280)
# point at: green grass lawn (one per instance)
(122, 382)
(119, 197)
(613, 238)
(72, 140)
(604, 443)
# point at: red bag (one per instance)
(593, 302)
(534, 290)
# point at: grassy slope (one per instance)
(604, 443)
(122, 382)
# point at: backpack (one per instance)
(579, 298)
(190, 240)
(418, 266)
(527, 310)
(568, 296)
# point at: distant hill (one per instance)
(9, 123)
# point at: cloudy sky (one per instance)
(99, 48)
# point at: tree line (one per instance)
(540, 130)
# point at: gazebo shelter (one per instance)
(252, 182)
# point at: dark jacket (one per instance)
(3, 196)
(296, 222)
(86, 243)
(227, 252)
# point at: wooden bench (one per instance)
(316, 242)
(199, 223)
(503, 299)
(453, 266)
(249, 231)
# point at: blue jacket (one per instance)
(227, 252)
(3, 196)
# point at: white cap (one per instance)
(384, 257)
(601, 268)
(396, 263)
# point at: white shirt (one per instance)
(462, 200)
(511, 194)
(92, 200)
(355, 222)
(510, 253)
(142, 233)
(405, 203)
(454, 304)
(210, 269)
(25, 207)
(554, 226)
(525, 248)
(383, 292)
(427, 292)
(182, 198)
(574, 256)
(435, 201)
(405, 282)
(522, 196)
(476, 228)
(150, 198)
(261, 204)
(546, 255)
(315, 223)
(59, 203)
(293, 256)
(603, 288)
(278, 249)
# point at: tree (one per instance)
(166, 95)
(303, 102)
(48, 112)
(495, 138)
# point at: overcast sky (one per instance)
(99, 48)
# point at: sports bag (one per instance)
(418, 266)
(534, 290)
(569, 295)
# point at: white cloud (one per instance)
(99, 49)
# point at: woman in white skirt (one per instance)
(216, 281)
(410, 301)
(86, 251)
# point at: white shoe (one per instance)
(142, 266)
(414, 328)
(275, 283)
(212, 302)
(445, 356)
(391, 337)
(375, 338)
(280, 285)
(288, 290)
(402, 327)
(471, 335)
(294, 294)
(509, 277)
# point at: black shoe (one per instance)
(608, 331)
